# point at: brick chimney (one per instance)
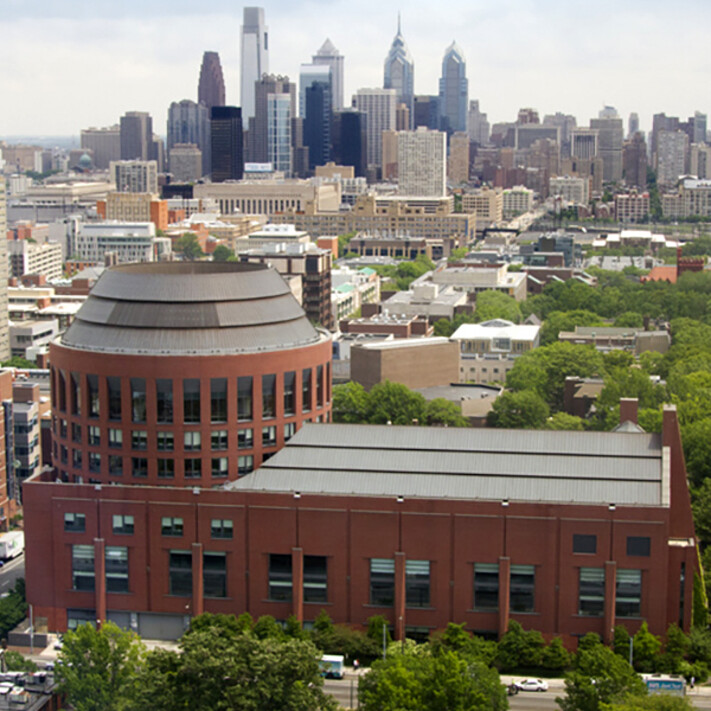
(628, 410)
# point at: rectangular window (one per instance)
(63, 453)
(193, 468)
(221, 528)
(218, 440)
(638, 545)
(523, 584)
(116, 569)
(290, 393)
(214, 574)
(244, 398)
(319, 386)
(218, 400)
(306, 390)
(486, 586)
(63, 429)
(115, 438)
(164, 441)
(191, 400)
(382, 581)
(269, 436)
(76, 458)
(94, 436)
(289, 430)
(245, 439)
(122, 524)
(164, 401)
(115, 465)
(268, 396)
(62, 391)
(138, 399)
(166, 468)
(171, 526)
(628, 593)
(75, 393)
(75, 522)
(219, 466)
(245, 464)
(83, 568)
(180, 569)
(583, 543)
(139, 467)
(94, 462)
(417, 583)
(92, 383)
(139, 439)
(113, 385)
(280, 580)
(192, 441)
(76, 433)
(315, 578)
(591, 594)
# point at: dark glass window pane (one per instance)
(417, 583)
(193, 468)
(115, 465)
(139, 466)
(486, 586)
(523, 584)
(280, 579)
(116, 568)
(191, 400)
(290, 393)
(306, 390)
(221, 528)
(591, 595)
(122, 524)
(319, 386)
(171, 526)
(218, 399)
(244, 398)
(138, 399)
(268, 396)
(75, 393)
(114, 387)
(628, 595)
(214, 576)
(583, 543)
(181, 574)
(166, 468)
(83, 567)
(315, 578)
(164, 401)
(382, 582)
(638, 545)
(75, 522)
(62, 391)
(92, 384)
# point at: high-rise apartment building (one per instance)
(379, 106)
(700, 160)
(134, 176)
(453, 90)
(226, 143)
(189, 122)
(426, 111)
(458, 160)
(268, 92)
(584, 143)
(566, 123)
(672, 156)
(611, 136)
(4, 322)
(330, 56)
(422, 163)
(477, 125)
(661, 122)
(634, 161)
(105, 144)
(136, 136)
(399, 72)
(211, 85)
(255, 57)
(350, 141)
(186, 165)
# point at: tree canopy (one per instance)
(189, 246)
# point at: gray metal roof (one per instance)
(190, 308)
(487, 464)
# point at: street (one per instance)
(10, 572)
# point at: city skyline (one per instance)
(519, 53)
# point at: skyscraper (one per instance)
(611, 135)
(400, 72)
(259, 126)
(4, 321)
(453, 90)
(477, 124)
(317, 121)
(226, 143)
(309, 73)
(329, 55)
(279, 113)
(632, 125)
(136, 136)
(350, 140)
(255, 57)
(422, 162)
(211, 86)
(379, 106)
(189, 122)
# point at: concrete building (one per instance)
(458, 161)
(571, 189)
(634, 161)
(453, 91)
(584, 143)
(611, 338)
(4, 333)
(31, 258)
(353, 289)
(254, 51)
(610, 138)
(134, 176)
(211, 85)
(632, 207)
(104, 144)
(269, 137)
(134, 207)
(399, 74)
(136, 135)
(186, 162)
(692, 197)
(475, 278)
(487, 203)
(517, 201)
(414, 362)
(384, 325)
(189, 123)
(131, 242)
(429, 300)
(700, 160)
(28, 338)
(672, 156)
(331, 57)
(379, 106)
(422, 162)
(20, 158)
(478, 126)
(489, 350)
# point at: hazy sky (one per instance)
(70, 64)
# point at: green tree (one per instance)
(18, 362)
(558, 321)
(646, 648)
(564, 421)
(443, 412)
(13, 608)
(555, 656)
(518, 410)
(696, 441)
(396, 403)
(629, 319)
(621, 641)
(189, 246)
(519, 648)
(652, 702)
(494, 304)
(222, 253)
(14, 661)
(456, 639)
(98, 669)
(350, 403)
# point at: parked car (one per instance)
(532, 685)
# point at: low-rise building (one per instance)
(430, 300)
(692, 198)
(134, 207)
(31, 337)
(634, 238)
(388, 324)
(487, 204)
(351, 289)
(474, 278)
(616, 338)
(132, 242)
(572, 189)
(632, 207)
(516, 201)
(32, 258)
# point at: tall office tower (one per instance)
(4, 319)
(458, 160)
(317, 122)
(526, 116)
(105, 144)
(136, 136)
(350, 140)
(700, 160)
(632, 125)
(661, 122)
(189, 122)
(388, 160)
(279, 113)
(330, 56)
(672, 156)
(422, 162)
(134, 176)
(379, 106)
(477, 125)
(158, 152)
(697, 125)
(400, 72)
(608, 112)
(453, 91)
(308, 74)
(185, 162)
(611, 136)
(300, 153)
(211, 85)
(634, 161)
(426, 111)
(584, 143)
(566, 123)
(402, 118)
(259, 129)
(255, 57)
(226, 143)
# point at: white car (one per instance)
(532, 685)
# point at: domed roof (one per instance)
(85, 160)
(190, 308)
